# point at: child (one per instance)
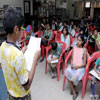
(55, 53)
(48, 33)
(45, 38)
(13, 63)
(76, 70)
(94, 79)
(26, 35)
(93, 42)
(65, 37)
(29, 32)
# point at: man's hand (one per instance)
(37, 56)
(99, 74)
(24, 49)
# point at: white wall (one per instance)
(15, 3)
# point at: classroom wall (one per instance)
(15, 3)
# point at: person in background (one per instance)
(26, 36)
(94, 79)
(46, 37)
(65, 37)
(53, 25)
(97, 39)
(54, 55)
(76, 70)
(93, 43)
(73, 31)
(65, 25)
(59, 24)
(70, 26)
(91, 27)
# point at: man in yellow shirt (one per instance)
(13, 63)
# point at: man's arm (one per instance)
(0, 65)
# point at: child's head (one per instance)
(74, 27)
(29, 29)
(65, 23)
(77, 28)
(80, 40)
(54, 45)
(95, 32)
(48, 26)
(13, 22)
(53, 21)
(81, 31)
(72, 23)
(65, 31)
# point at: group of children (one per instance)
(18, 80)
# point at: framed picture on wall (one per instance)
(27, 5)
(1, 12)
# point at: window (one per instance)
(88, 5)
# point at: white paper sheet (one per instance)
(33, 46)
(55, 61)
(92, 72)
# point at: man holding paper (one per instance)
(12, 59)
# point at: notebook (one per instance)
(77, 56)
(55, 61)
(33, 46)
(92, 72)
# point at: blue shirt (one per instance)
(58, 51)
(97, 63)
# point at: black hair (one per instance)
(12, 17)
(82, 38)
(65, 27)
(54, 45)
(95, 30)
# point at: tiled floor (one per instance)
(45, 88)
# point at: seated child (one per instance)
(94, 79)
(55, 53)
(76, 70)
(93, 42)
(65, 37)
(26, 35)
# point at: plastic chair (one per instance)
(60, 58)
(57, 35)
(95, 56)
(38, 33)
(84, 81)
(71, 42)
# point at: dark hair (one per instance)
(95, 30)
(12, 17)
(54, 45)
(65, 27)
(48, 24)
(82, 38)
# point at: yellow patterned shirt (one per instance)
(14, 68)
